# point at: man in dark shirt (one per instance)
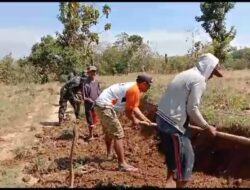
(72, 74)
(71, 92)
(91, 91)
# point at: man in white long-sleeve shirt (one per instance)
(179, 106)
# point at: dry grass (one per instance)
(22, 109)
(7, 174)
(159, 79)
(14, 103)
(224, 103)
(17, 102)
(239, 80)
(232, 92)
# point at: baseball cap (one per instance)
(92, 68)
(144, 78)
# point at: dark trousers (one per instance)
(64, 98)
(177, 149)
(90, 114)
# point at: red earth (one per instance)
(218, 163)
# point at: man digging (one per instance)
(177, 106)
(71, 92)
(121, 97)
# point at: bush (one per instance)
(14, 72)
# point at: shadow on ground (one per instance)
(49, 123)
(64, 162)
(55, 105)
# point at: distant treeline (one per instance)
(77, 46)
(114, 59)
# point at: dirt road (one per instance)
(18, 144)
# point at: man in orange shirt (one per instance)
(121, 97)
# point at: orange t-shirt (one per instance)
(132, 97)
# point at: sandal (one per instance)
(127, 168)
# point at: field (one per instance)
(35, 152)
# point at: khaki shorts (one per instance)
(110, 122)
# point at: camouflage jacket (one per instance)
(74, 86)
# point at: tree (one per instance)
(70, 18)
(213, 21)
(44, 56)
(129, 44)
(78, 20)
(122, 41)
(136, 41)
(113, 60)
(140, 57)
(6, 67)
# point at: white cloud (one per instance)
(163, 41)
(174, 43)
(19, 41)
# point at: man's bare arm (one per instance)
(130, 114)
(141, 116)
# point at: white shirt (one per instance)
(183, 95)
(113, 96)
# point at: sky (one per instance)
(167, 26)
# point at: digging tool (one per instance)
(147, 129)
(148, 124)
(236, 138)
(75, 137)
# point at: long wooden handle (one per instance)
(236, 138)
(75, 134)
(146, 123)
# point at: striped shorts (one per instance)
(177, 149)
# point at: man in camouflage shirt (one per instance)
(71, 92)
(72, 75)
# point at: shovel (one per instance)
(148, 130)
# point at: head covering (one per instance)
(92, 68)
(208, 64)
(144, 78)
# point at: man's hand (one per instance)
(153, 124)
(148, 128)
(136, 123)
(76, 100)
(211, 130)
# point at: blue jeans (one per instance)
(177, 148)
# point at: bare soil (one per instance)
(218, 163)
